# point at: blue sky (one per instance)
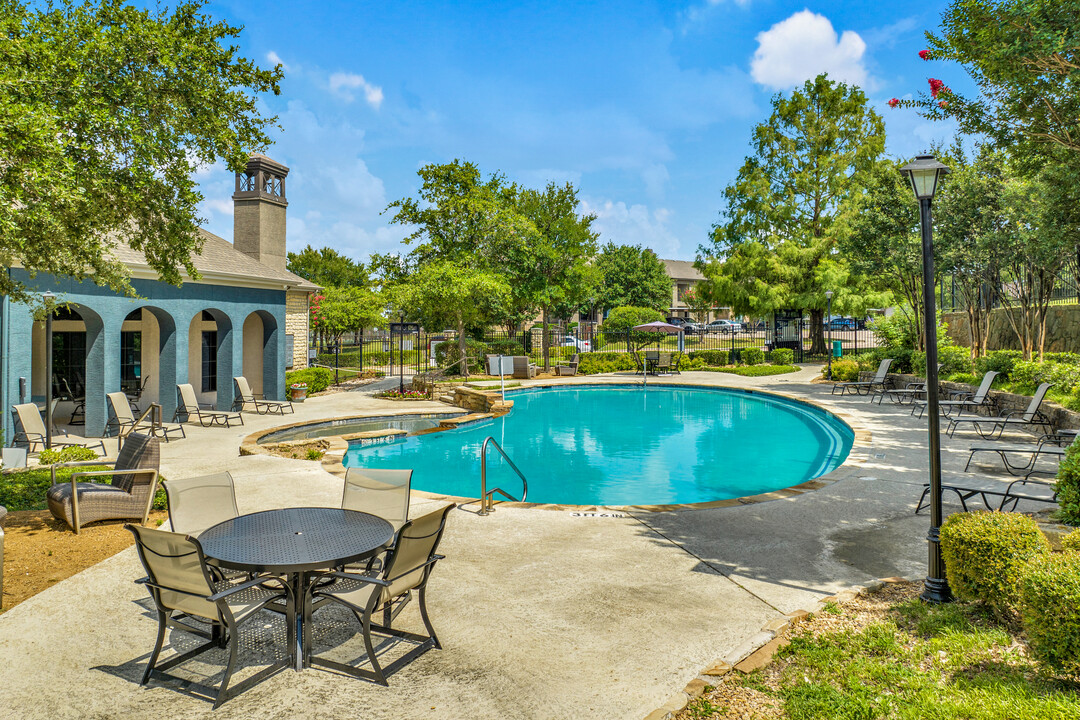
(647, 107)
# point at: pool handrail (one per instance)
(487, 497)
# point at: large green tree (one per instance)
(633, 276)
(341, 310)
(327, 267)
(106, 109)
(776, 244)
(553, 271)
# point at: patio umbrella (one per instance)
(656, 326)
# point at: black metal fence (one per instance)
(410, 351)
(1066, 291)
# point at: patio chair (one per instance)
(1052, 445)
(30, 430)
(407, 568)
(134, 478)
(865, 387)
(384, 493)
(910, 392)
(675, 365)
(663, 362)
(651, 358)
(198, 503)
(187, 404)
(180, 583)
(570, 368)
(245, 397)
(1030, 417)
(523, 369)
(639, 366)
(123, 419)
(134, 396)
(964, 400)
(78, 411)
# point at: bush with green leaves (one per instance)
(752, 356)
(1001, 361)
(26, 489)
(843, 370)
(316, 379)
(624, 319)
(604, 362)
(985, 554)
(68, 453)
(506, 347)
(782, 356)
(1068, 486)
(447, 355)
(1049, 603)
(1071, 542)
(1030, 373)
(953, 359)
(755, 370)
(715, 358)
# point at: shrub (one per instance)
(1068, 486)
(624, 319)
(756, 370)
(25, 489)
(317, 379)
(1000, 360)
(843, 370)
(447, 354)
(783, 356)
(605, 362)
(1063, 376)
(506, 347)
(70, 453)
(752, 356)
(1049, 593)
(710, 357)
(952, 358)
(1071, 542)
(985, 553)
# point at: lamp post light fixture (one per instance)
(925, 174)
(401, 354)
(828, 319)
(47, 298)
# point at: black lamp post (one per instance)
(401, 354)
(47, 298)
(925, 174)
(828, 319)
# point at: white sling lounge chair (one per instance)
(245, 398)
(188, 404)
(124, 420)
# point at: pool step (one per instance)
(447, 398)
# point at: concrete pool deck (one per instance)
(542, 614)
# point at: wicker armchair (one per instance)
(569, 368)
(523, 369)
(134, 481)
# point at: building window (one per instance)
(209, 361)
(69, 364)
(130, 359)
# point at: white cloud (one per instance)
(274, 58)
(804, 46)
(655, 177)
(633, 225)
(341, 83)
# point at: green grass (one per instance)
(25, 489)
(754, 370)
(924, 661)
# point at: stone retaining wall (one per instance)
(481, 401)
(1062, 329)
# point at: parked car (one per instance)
(841, 323)
(691, 328)
(571, 341)
(724, 326)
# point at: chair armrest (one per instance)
(114, 471)
(80, 463)
(254, 582)
(431, 561)
(350, 576)
(206, 406)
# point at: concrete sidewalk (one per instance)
(542, 614)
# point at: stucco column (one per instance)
(273, 358)
(230, 358)
(169, 361)
(102, 368)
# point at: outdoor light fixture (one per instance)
(47, 298)
(925, 174)
(401, 354)
(828, 319)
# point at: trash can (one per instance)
(837, 351)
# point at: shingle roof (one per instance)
(219, 257)
(682, 270)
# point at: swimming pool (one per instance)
(626, 445)
(345, 426)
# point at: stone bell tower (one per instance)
(259, 211)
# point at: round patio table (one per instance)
(295, 543)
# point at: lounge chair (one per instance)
(523, 369)
(187, 404)
(180, 582)
(569, 368)
(134, 396)
(198, 503)
(1051, 446)
(30, 430)
(1030, 417)
(992, 499)
(663, 362)
(865, 387)
(909, 392)
(134, 478)
(638, 364)
(124, 420)
(245, 397)
(384, 493)
(407, 568)
(965, 400)
(78, 410)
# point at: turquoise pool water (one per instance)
(627, 446)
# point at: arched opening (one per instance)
(210, 357)
(261, 365)
(78, 358)
(148, 358)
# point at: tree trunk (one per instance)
(546, 344)
(817, 333)
(463, 364)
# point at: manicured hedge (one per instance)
(752, 356)
(1049, 593)
(782, 356)
(317, 379)
(711, 357)
(604, 362)
(754, 370)
(1068, 486)
(843, 370)
(1071, 542)
(985, 554)
(953, 359)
